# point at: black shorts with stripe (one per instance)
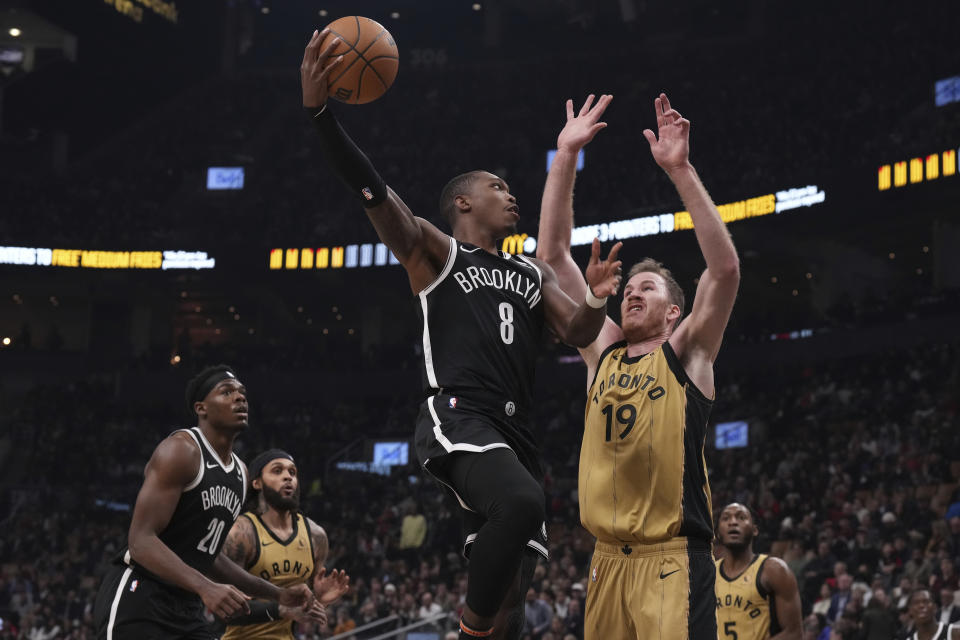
(449, 423)
(134, 606)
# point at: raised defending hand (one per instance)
(316, 68)
(672, 149)
(298, 595)
(330, 587)
(581, 128)
(603, 276)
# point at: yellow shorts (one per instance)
(652, 592)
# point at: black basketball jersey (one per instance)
(483, 324)
(207, 509)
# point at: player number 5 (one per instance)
(211, 541)
(728, 629)
(506, 327)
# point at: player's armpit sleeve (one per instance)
(260, 611)
(347, 160)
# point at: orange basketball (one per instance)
(370, 60)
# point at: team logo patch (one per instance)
(593, 575)
(367, 193)
(453, 403)
(134, 585)
(510, 408)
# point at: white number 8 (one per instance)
(506, 327)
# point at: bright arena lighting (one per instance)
(15, 32)
(6, 342)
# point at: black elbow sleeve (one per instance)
(347, 160)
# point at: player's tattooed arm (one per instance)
(328, 587)
(241, 543)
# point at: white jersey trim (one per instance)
(539, 275)
(533, 544)
(450, 447)
(199, 477)
(243, 476)
(936, 636)
(427, 348)
(226, 467)
(116, 601)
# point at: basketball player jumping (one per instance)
(273, 540)
(193, 489)
(643, 485)
(757, 596)
(483, 315)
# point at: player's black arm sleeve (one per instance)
(347, 160)
(260, 611)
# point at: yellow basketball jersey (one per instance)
(744, 611)
(643, 477)
(282, 562)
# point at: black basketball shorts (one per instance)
(131, 606)
(450, 424)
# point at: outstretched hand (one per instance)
(581, 128)
(672, 149)
(330, 587)
(603, 276)
(316, 68)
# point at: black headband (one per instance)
(207, 385)
(262, 460)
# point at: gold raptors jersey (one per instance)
(643, 477)
(744, 610)
(282, 562)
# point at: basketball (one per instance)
(370, 60)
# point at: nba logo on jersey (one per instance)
(453, 403)
(593, 575)
(367, 193)
(134, 585)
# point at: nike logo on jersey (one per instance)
(264, 543)
(211, 466)
(465, 250)
(665, 575)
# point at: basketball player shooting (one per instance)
(643, 485)
(483, 315)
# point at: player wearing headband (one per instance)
(273, 540)
(192, 492)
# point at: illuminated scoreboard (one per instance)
(916, 170)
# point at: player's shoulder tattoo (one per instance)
(241, 545)
(321, 544)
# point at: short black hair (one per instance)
(917, 592)
(197, 382)
(457, 186)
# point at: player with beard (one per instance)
(643, 486)
(757, 595)
(484, 316)
(193, 488)
(276, 542)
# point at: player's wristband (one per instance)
(347, 160)
(594, 301)
(260, 612)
